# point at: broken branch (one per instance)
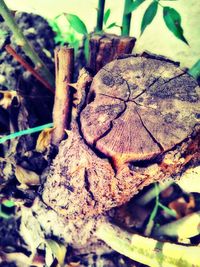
(64, 62)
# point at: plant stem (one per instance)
(23, 42)
(18, 58)
(186, 227)
(126, 20)
(195, 70)
(152, 193)
(100, 14)
(147, 250)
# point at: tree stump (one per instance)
(105, 48)
(140, 124)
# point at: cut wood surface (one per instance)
(141, 125)
(159, 108)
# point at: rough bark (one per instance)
(64, 63)
(141, 125)
(105, 48)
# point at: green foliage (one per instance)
(64, 37)
(112, 25)
(76, 23)
(9, 204)
(149, 15)
(195, 70)
(171, 17)
(133, 6)
(3, 33)
(105, 20)
(25, 132)
(106, 16)
(173, 21)
(86, 47)
(155, 211)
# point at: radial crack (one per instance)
(151, 135)
(111, 124)
(87, 185)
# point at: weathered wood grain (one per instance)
(141, 125)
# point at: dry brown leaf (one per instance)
(44, 140)
(73, 264)
(182, 207)
(26, 177)
(167, 192)
(7, 98)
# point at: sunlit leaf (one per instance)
(76, 23)
(8, 203)
(106, 16)
(58, 250)
(44, 139)
(173, 21)
(26, 177)
(149, 15)
(7, 97)
(111, 25)
(133, 6)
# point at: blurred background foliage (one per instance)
(156, 39)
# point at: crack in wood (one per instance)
(87, 185)
(150, 134)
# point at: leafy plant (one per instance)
(64, 37)
(171, 17)
(23, 42)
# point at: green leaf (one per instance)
(195, 70)
(111, 25)
(149, 15)
(173, 22)
(106, 16)
(76, 23)
(8, 203)
(86, 48)
(134, 5)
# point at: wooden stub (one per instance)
(64, 62)
(141, 125)
(105, 48)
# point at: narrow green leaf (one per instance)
(86, 48)
(149, 15)
(111, 25)
(173, 22)
(134, 5)
(24, 132)
(168, 210)
(195, 70)
(76, 23)
(106, 16)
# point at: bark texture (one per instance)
(141, 124)
(64, 63)
(105, 48)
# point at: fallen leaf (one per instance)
(58, 250)
(6, 98)
(182, 207)
(44, 139)
(26, 177)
